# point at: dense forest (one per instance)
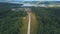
(48, 20)
(10, 21)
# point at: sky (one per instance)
(24, 0)
(37, 0)
(41, 0)
(28, 0)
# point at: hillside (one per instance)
(9, 5)
(42, 2)
(50, 2)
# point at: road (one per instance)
(29, 19)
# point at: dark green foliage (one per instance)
(9, 5)
(48, 20)
(11, 21)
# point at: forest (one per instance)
(48, 20)
(11, 21)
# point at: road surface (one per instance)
(29, 19)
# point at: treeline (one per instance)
(9, 5)
(11, 21)
(48, 20)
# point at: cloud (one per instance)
(48, 0)
(26, 0)
(41, 0)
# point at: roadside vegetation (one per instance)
(48, 20)
(11, 21)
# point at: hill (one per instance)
(9, 5)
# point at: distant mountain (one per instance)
(9, 5)
(43, 2)
(50, 2)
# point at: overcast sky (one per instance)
(24, 0)
(29, 0)
(41, 0)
